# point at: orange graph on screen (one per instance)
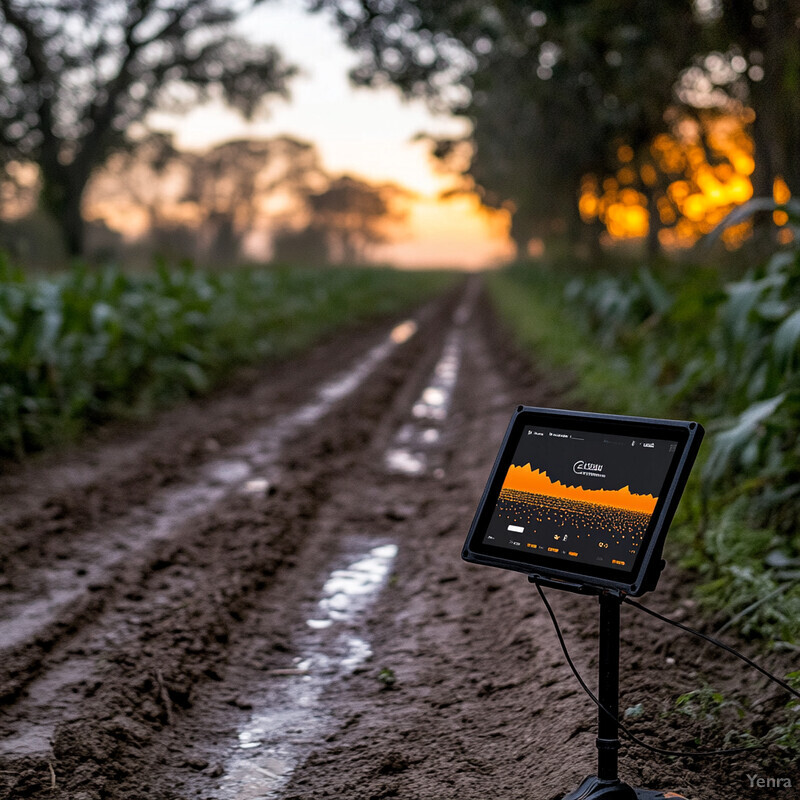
(524, 479)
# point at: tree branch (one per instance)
(34, 47)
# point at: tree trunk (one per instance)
(653, 228)
(776, 101)
(62, 196)
(72, 226)
(764, 172)
(521, 232)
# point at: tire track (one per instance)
(263, 747)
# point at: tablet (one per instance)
(581, 500)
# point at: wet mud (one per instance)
(261, 595)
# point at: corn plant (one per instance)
(88, 345)
(758, 372)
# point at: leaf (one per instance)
(773, 310)
(195, 377)
(101, 312)
(740, 214)
(732, 441)
(573, 290)
(786, 338)
(659, 297)
(742, 296)
(781, 260)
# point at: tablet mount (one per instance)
(606, 785)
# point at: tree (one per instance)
(244, 185)
(764, 38)
(307, 246)
(75, 75)
(143, 184)
(553, 88)
(350, 215)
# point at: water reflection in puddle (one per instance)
(346, 590)
(347, 383)
(410, 450)
(232, 471)
(403, 332)
(256, 486)
(399, 459)
(262, 452)
(293, 718)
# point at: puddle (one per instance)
(412, 447)
(399, 459)
(226, 472)
(348, 382)
(463, 314)
(404, 331)
(68, 581)
(346, 589)
(35, 739)
(256, 486)
(51, 591)
(293, 717)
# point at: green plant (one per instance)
(759, 337)
(788, 733)
(86, 345)
(387, 678)
(534, 301)
(706, 703)
(678, 342)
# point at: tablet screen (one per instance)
(580, 496)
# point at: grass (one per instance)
(87, 345)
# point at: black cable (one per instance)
(717, 642)
(624, 728)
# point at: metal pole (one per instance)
(608, 688)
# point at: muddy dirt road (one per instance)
(261, 596)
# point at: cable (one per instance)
(624, 728)
(712, 640)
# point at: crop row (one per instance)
(87, 345)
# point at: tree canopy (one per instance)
(555, 88)
(76, 75)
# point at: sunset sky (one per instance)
(362, 132)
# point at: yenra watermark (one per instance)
(756, 781)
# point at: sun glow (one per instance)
(369, 134)
(453, 232)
